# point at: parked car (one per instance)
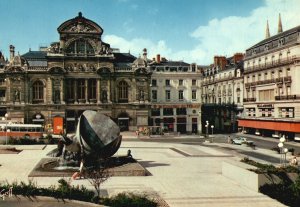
(242, 140)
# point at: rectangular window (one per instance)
(193, 82)
(81, 89)
(238, 99)
(155, 112)
(288, 90)
(92, 88)
(250, 111)
(154, 82)
(70, 89)
(266, 76)
(286, 112)
(266, 95)
(168, 95)
(180, 95)
(194, 94)
(259, 77)
(167, 82)
(181, 111)
(168, 111)
(272, 75)
(288, 72)
(154, 95)
(180, 82)
(279, 73)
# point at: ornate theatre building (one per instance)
(77, 73)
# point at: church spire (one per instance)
(267, 30)
(279, 24)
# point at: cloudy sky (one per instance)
(189, 30)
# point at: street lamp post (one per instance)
(282, 151)
(212, 133)
(207, 124)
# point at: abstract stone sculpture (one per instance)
(97, 137)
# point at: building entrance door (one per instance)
(123, 123)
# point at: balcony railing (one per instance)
(249, 99)
(277, 63)
(288, 97)
(216, 80)
(277, 80)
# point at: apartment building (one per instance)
(175, 96)
(222, 94)
(272, 79)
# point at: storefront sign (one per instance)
(177, 106)
(265, 106)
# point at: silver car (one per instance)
(242, 140)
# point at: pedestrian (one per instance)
(229, 140)
(294, 161)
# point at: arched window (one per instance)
(80, 47)
(123, 92)
(38, 92)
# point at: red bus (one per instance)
(20, 130)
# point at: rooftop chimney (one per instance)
(238, 57)
(12, 52)
(220, 61)
(158, 58)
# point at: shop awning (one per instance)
(270, 125)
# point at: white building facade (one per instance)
(175, 96)
(272, 85)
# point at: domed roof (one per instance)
(80, 24)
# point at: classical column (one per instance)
(48, 91)
(75, 91)
(62, 92)
(8, 90)
(109, 91)
(86, 91)
(98, 92)
(134, 92)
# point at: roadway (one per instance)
(221, 139)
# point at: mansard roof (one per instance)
(287, 37)
(80, 24)
(277, 36)
(170, 63)
(124, 57)
(35, 55)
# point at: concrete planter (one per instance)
(240, 173)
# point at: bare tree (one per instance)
(98, 174)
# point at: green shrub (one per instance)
(270, 169)
(129, 199)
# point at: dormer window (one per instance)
(281, 42)
(266, 47)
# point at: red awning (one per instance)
(271, 125)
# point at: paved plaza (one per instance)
(181, 174)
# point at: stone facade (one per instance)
(77, 73)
